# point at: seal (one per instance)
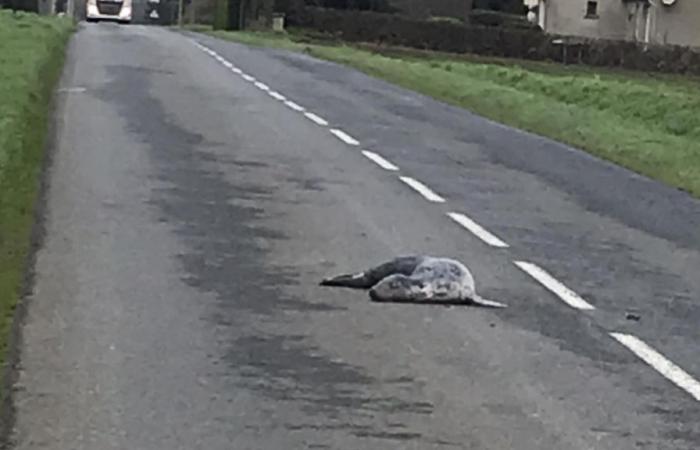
(416, 279)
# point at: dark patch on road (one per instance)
(284, 368)
(225, 257)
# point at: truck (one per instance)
(111, 10)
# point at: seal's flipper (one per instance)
(404, 265)
(480, 301)
(356, 281)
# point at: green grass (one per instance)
(649, 123)
(31, 56)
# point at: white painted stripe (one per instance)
(380, 161)
(237, 70)
(659, 362)
(564, 293)
(72, 90)
(227, 64)
(316, 119)
(294, 106)
(262, 86)
(476, 229)
(248, 77)
(277, 96)
(423, 190)
(343, 136)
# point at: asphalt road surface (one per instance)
(199, 192)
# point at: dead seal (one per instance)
(416, 279)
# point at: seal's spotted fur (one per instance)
(416, 279)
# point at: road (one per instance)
(200, 190)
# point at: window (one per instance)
(592, 10)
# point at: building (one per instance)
(653, 21)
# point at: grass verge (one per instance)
(31, 58)
(647, 123)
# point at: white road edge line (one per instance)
(227, 64)
(236, 70)
(248, 77)
(564, 293)
(294, 106)
(262, 86)
(316, 119)
(277, 96)
(477, 230)
(659, 362)
(343, 136)
(380, 161)
(423, 190)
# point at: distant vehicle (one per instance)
(112, 10)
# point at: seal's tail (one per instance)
(356, 281)
(480, 301)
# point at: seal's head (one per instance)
(396, 288)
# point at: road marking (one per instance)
(277, 96)
(70, 90)
(294, 106)
(381, 162)
(316, 119)
(227, 64)
(423, 190)
(248, 77)
(659, 362)
(236, 70)
(262, 86)
(564, 293)
(477, 230)
(343, 136)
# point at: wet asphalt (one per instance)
(190, 218)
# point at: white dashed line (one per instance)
(316, 119)
(343, 136)
(423, 190)
(477, 230)
(262, 86)
(294, 106)
(380, 161)
(277, 96)
(647, 354)
(659, 362)
(564, 293)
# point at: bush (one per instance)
(500, 41)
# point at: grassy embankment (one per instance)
(31, 57)
(647, 123)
